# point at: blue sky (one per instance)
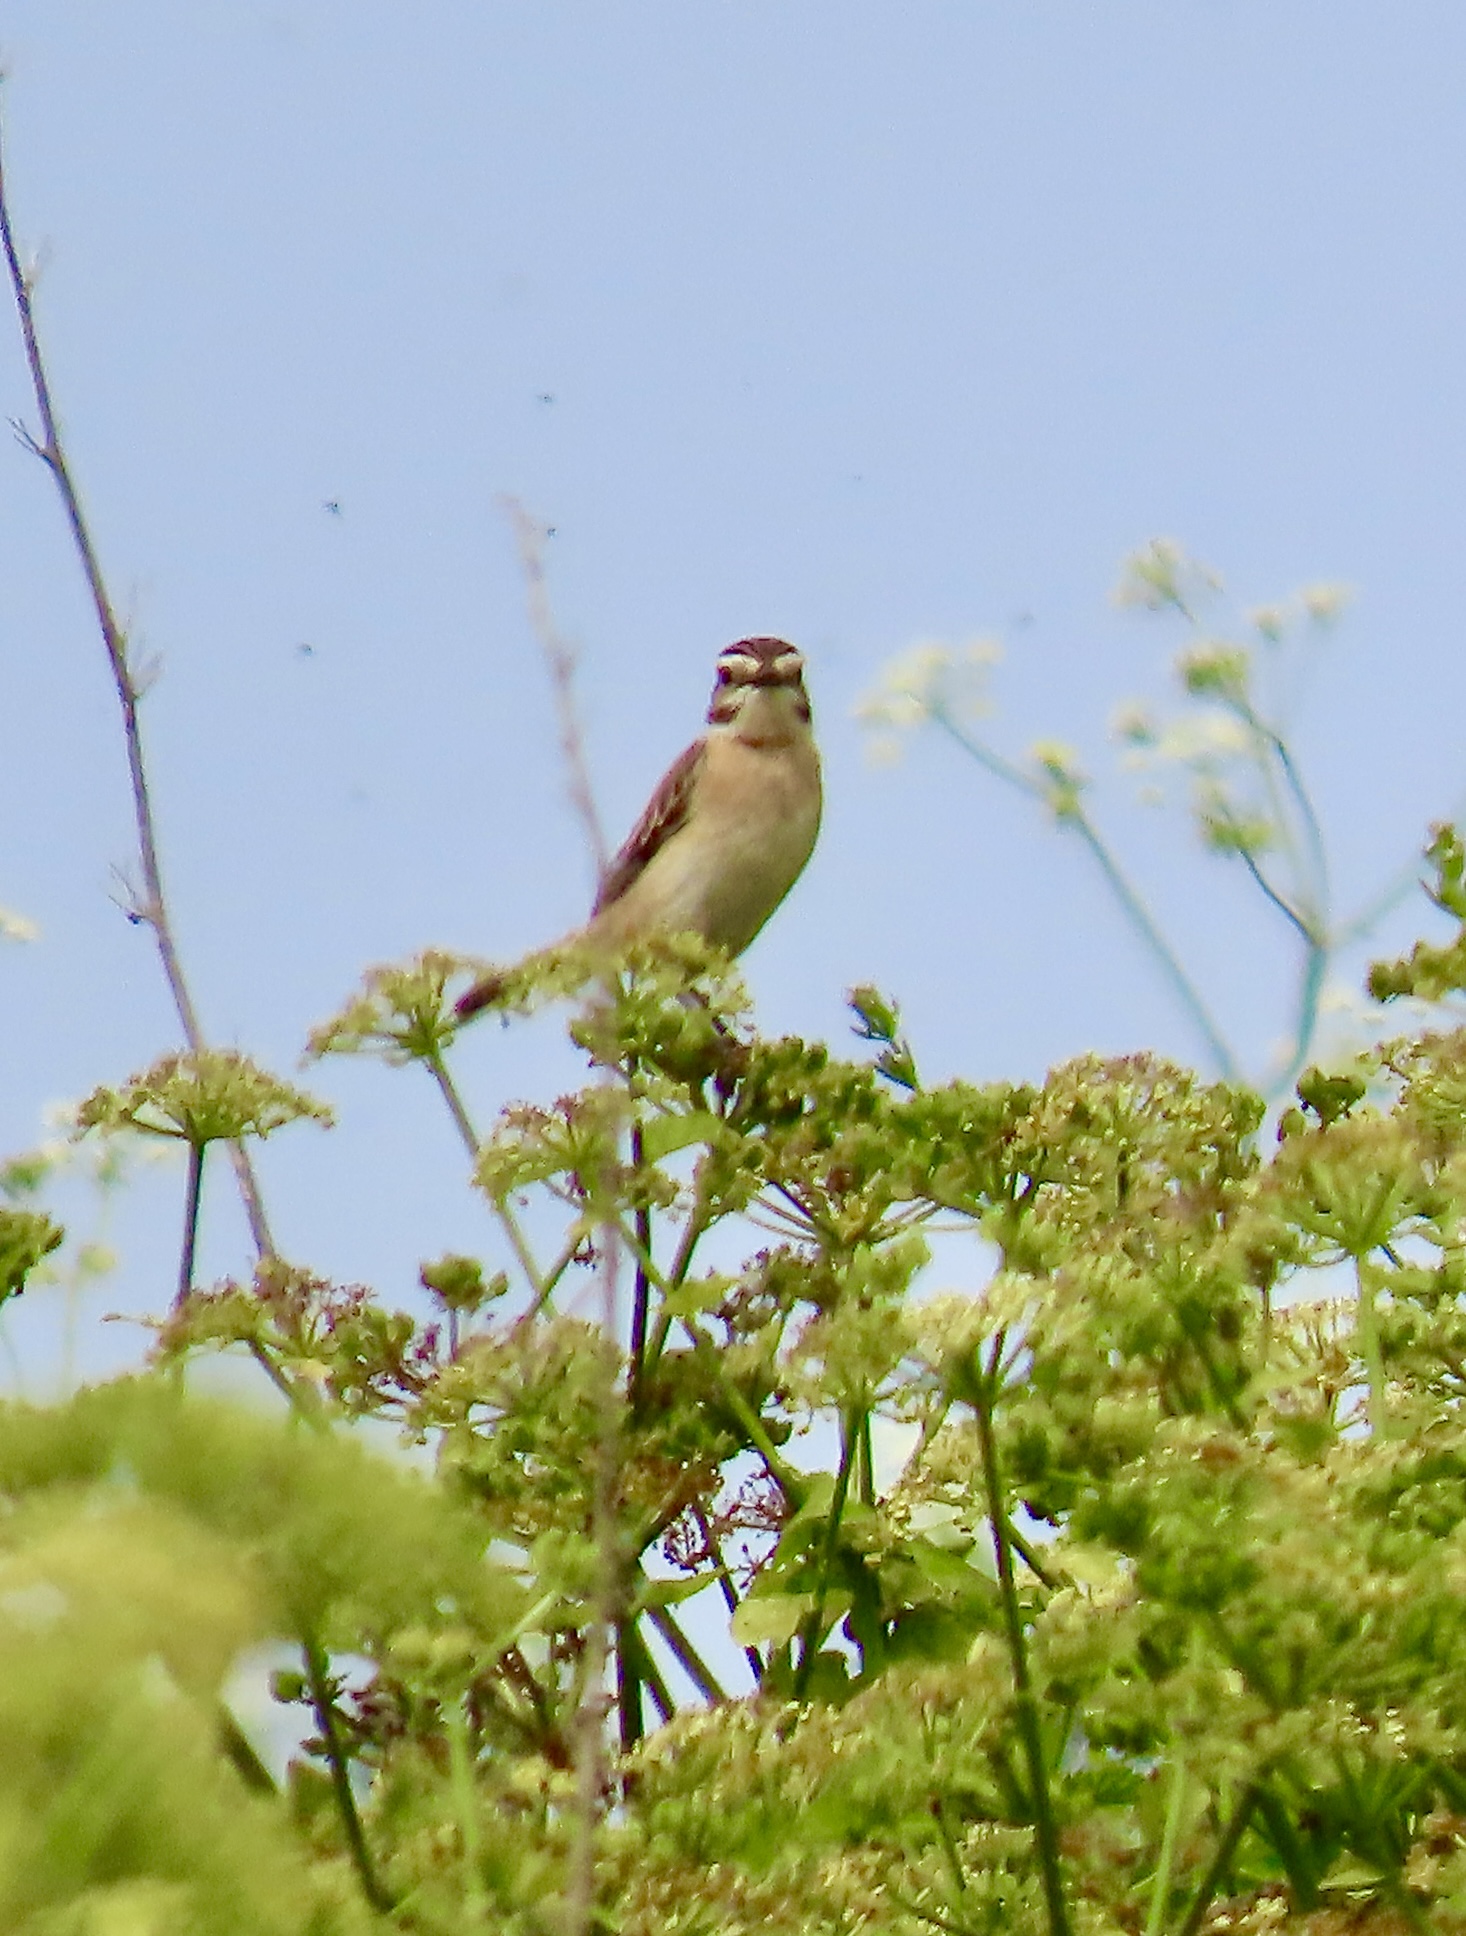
(855, 323)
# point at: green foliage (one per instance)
(737, 1576)
(26, 1236)
(1431, 972)
(214, 1096)
(1122, 1582)
(147, 1540)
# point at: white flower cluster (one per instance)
(931, 678)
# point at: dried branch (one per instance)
(591, 1746)
(151, 904)
(560, 657)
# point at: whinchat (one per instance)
(728, 830)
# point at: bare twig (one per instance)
(530, 535)
(152, 905)
(607, 1609)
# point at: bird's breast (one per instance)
(751, 830)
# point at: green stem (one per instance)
(460, 1763)
(681, 1263)
(1405, 880)
(524, 1257)
(1271, 894)
(1160, 1888)
(1001, 769)
(1029, 1558)
(789, 1482)
(323, 1703)
(815, 1619)
(241, 1752)
(1025, 1700)
(866, 1473)
(448, 1089)
(686, 1655)
(1220, 1862)
(1131, 904)
(192, 1200)
(1291, 1850)
(1315, 967)
(302, 1398)
(1313, 832)
(949, 1846)
(725, 1585)
(628, 1685)
(641, 1299)
(1366, 1325)
(1139, 917)
(648, 1672)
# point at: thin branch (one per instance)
(299, 1395)
(592, 1774)
(530, 536)
(1280, 901)
(725, 1585)
(1005, 770)
(648, 1672)
(1140, 919)
(1404, 881)
(629, 1683)
(1316, 956)
(641, 1299)
(523, 1255)
(153, 905)
(814, 1623)
(1131, 904)
(1315, 967)
(323, 1704)
(448, 1089)
(1303, 800)
(1029, 1558)
(241, 1752)
(687, 1657)
(193, 1199)
(789, 1481)
(1025, 1701)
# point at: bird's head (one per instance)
(759, 695)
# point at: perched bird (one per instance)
(729, 829)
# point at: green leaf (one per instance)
(770, 1618)
(665, 1135)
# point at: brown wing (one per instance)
(666, 811)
